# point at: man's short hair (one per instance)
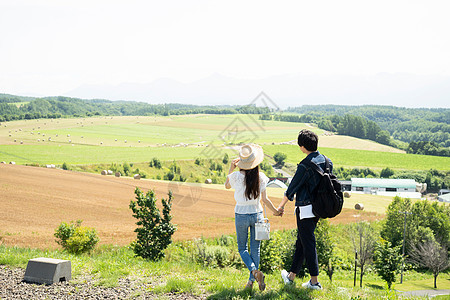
(308, 139)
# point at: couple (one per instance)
(250, 188)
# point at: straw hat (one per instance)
(250, 156)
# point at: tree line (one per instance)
(57, 107)
(404, 124)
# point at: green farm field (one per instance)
(372, 159)
(138, 139)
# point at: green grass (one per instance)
(177, 274)
(83, 154)
(372, 159)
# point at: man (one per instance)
(302, 186)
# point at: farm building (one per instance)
(276, 184)
(406, 188)
(346, 185)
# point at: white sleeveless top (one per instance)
(244, 205)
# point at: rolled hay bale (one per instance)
(208, 181)
(137, 176)
(118, 174)
(39, 140)
(104, 172)
(12, 162)
(359, 206)
(125, 141)
(101, 143)
(21, 142)
(110, 172)
(347, 194)
(68, 135)
(15, 140)
(3, 162)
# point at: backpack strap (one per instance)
(317, 168)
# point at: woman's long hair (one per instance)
(252, 183)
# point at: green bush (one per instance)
(277, 253)
(76, 239)
(212, 255)
(155, 232)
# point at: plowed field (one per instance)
(34, 201)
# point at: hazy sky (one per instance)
(51, 47)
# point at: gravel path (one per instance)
(12, 287)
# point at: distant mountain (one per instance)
(404, 90)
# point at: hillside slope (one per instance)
(35, 201)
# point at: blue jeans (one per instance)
(243, 223)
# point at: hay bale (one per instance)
(12, 162)
(21, 142)
(359, 206)
(347, 194)
(110, 172)
(68, 135)
(3, 162)
(137, 176)
(118, 174)
(104, 172)
(208, 181)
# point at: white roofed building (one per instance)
(405, 188)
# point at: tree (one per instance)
(393, 226)
(154, 233)
(387, 261)
(325, 247)
(225, 158)
(430, 255)
(363, 239)
(386, 172)
(279, 158)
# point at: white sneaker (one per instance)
(309, 285)
(286, 279)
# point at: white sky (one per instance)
(50, 47)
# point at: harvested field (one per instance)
(34, 201)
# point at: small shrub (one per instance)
(65, 166)
(279, 158)
(212, 256)
(154, 233)
(155, 163)
(76, 239)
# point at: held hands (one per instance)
(279, 211)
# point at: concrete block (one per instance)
(48, 270)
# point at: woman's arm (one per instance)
(269, 203)
(233, 166)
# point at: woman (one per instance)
(250, 187)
